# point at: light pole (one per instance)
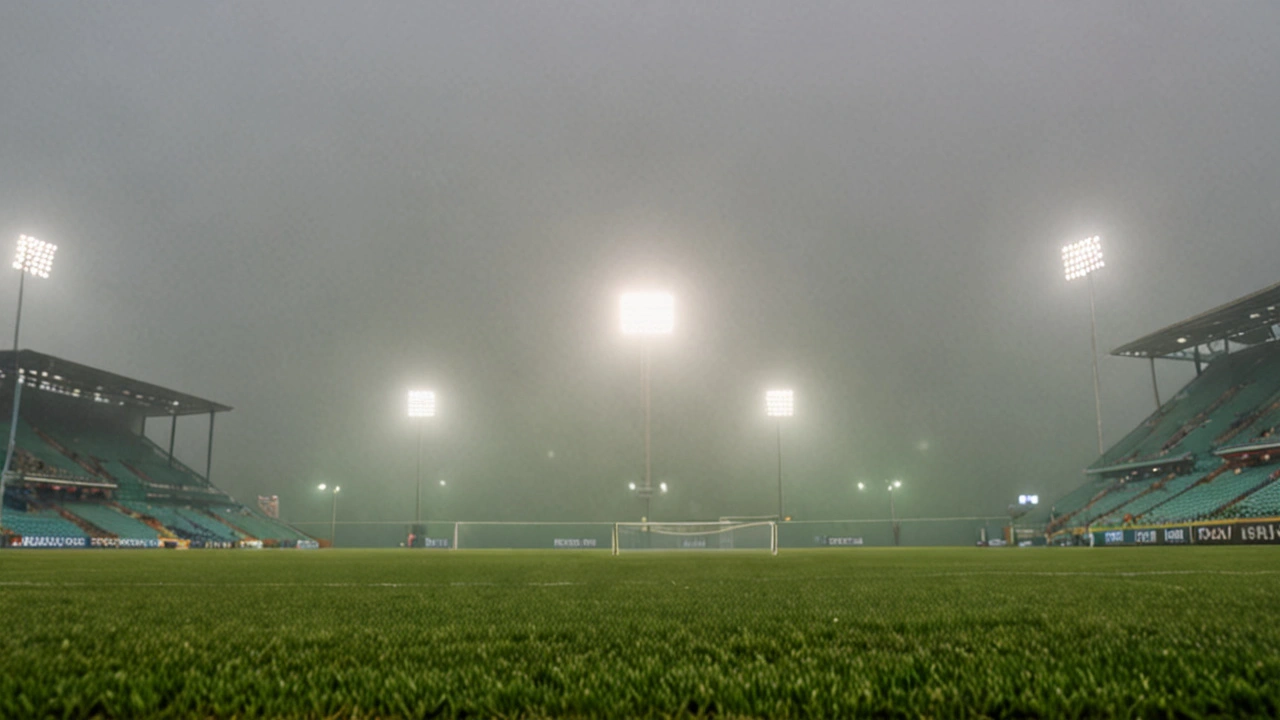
(662, 490)
(422, 404)
(1080, 260)
(333, 517)
(647, 314)
(893, 514)
(36, 257)
(891, 486)
(779, 404)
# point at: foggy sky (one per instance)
(304, 209)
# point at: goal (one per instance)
(723, 535)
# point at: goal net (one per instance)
(724, 535)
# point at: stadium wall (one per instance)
(1244, 531)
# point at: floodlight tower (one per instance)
(333, 518)
(892, 487)
(422, 404)
(893, 513)
(779, 404)
(1080, 260)
(647, 314)
(36, 257)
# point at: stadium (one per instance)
(1202, 469)
(639, 360)
(89, 486)
(86, 475)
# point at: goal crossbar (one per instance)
(695, 529)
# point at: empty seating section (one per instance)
(217, 529)
(130, 485)
(1067, 508)
(111, 520)
(43, 522)
(169, 498)
(160, 473)
(1111, 503)
(1141, 504)
(1234, 401)
(29, 440)
(1229, 391)
(112, 447)
(257, 526)
(1266, 427)
(185, 523)
(1201, 501)
(1262, 503)
(1246, 399)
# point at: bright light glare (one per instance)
(322, 486)
(662, 487)
(862, 486)
(648, 313)
(441, 483)
(34, 256)
(1081, 258)
(1028, 499)
(897, 483)
(631, 486)
(422, 403)
(336, 488)
(779, 403)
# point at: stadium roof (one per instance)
(1249, 320)
(51, 374)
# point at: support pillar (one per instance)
(208, 458)
(1155, 388)
(173, 433)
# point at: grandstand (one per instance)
(1205, 461)
(86, 475)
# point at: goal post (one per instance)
(721, 535)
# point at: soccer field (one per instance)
(825, 633)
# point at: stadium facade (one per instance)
(85, 474)
(1204, 467)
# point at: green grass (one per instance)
(828, 633)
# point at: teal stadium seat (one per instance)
(112, 520)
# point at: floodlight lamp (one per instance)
(647, 313)
(422, 403)
(322, 486)
(442, 483)
(779, 403)
(662, 487)
(34, 256)
(336, 489)
(1083, 257)
(862, 486)
(1035, 499)
(631, 486)
(897, 483)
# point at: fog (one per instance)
(305, 209)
